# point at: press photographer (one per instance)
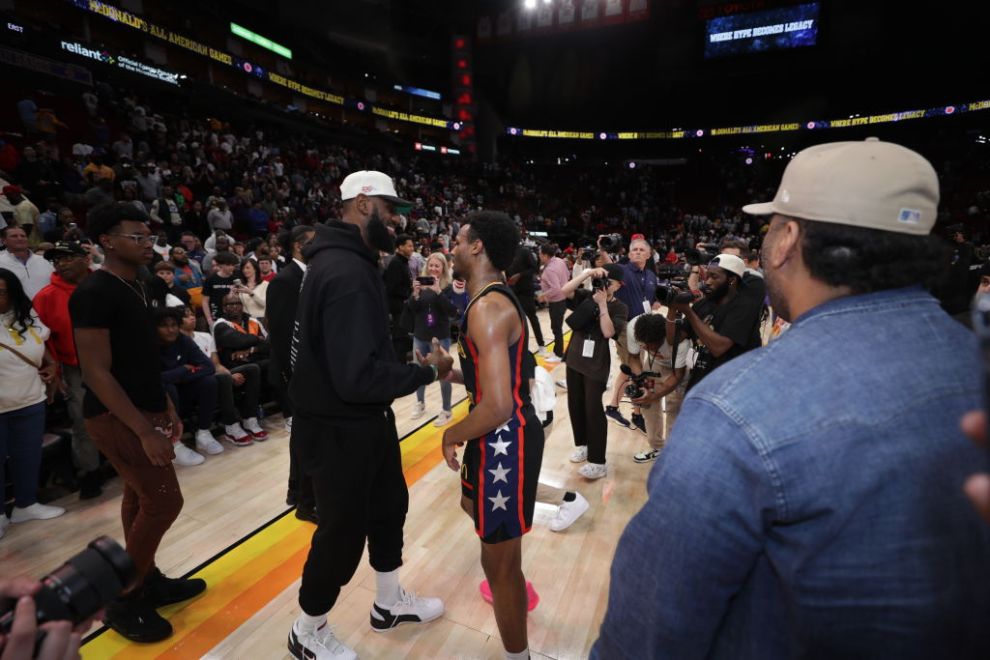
(660, 387)
(726, 322)
(638, 292)
(597, 317)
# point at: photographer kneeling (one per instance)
(660, 375)
(598, 316)
(725, 323)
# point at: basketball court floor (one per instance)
(237, 533)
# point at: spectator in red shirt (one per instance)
(71, 263)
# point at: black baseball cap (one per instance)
(65, 249)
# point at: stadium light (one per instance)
(529, 4)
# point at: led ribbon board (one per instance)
(125, 63)
(678, 134)
(136, 22)
(259, 40)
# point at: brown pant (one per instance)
(152, 499)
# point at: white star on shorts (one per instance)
(499, 474)
(500, 446)
(504, 427)
(498, 502)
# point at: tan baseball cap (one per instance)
(871, 184)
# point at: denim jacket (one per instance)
(809, 502)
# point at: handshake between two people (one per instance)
(438, 358)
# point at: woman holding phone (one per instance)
(431, 313)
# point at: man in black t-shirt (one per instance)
(726, 322)
(128, 416)
(219, 285)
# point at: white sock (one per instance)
(522, 655)
(387, 587)
(308, 624)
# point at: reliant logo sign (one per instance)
(123, 62)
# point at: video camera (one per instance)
(80, 588)
(635, 388)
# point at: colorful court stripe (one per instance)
(249, 574)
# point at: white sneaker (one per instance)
(568, 512)
(562, 384)
(288, 424)
(418, 410)
(36, 511)
(237, 435)
(205, 442)
(252, 426)
(4, 524)
(552, 358)
(410, 609)
(443, 418)
(321, 644)
(593, 471)
(185, 456)
(580, 454)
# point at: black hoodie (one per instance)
(345, 366)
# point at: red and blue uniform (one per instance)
(500, 470)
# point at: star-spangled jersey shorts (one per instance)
(503, 495)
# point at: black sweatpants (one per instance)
(557, 311)
(587, 413)
(229, 413)
(528, 303)
(361, 495)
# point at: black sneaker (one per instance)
(161, 591)
(90, 485)
(307, 514)
(639, 423)
(612, 412)
(135, 619)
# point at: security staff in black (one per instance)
(345, 377)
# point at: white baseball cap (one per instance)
(372, 184)
(870, 184)
(729, 262)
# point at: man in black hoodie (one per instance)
(345, 377)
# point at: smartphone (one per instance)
(238, 282)
(426, 281)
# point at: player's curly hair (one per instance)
(497, 232)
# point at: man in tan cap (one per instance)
(809, 501)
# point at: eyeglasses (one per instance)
(139, 239)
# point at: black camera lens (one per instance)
(82, 586)
(599, 283)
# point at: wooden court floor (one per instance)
(235, 531)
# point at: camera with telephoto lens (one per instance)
(668, 294)
(636, 387)
(80, 588)
(703, 254)
(609, 242)
(589, 255)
